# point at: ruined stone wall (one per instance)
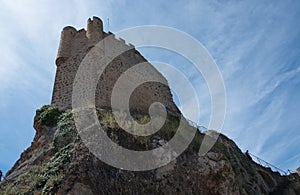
(74, 45)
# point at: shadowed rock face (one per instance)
(58, 162)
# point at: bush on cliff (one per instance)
(48, 115)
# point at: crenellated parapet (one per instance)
(87, 38)
(73, 41)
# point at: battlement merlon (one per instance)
(94, 30)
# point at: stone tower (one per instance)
(73, 47)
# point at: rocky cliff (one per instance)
(57, 162)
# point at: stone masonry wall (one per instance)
(74, 45)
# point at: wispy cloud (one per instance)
(255, 45)
(30, 37)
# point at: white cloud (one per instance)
(251, 42)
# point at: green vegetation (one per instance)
(107, 119)
(48, 115)
(66, 123)
(45, 178)
(110, 126)
(67, 132)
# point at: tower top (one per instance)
(95, 22)
(94, 31)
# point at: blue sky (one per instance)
(256, 45)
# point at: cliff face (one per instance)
(58, 162)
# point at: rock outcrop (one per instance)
(58, 162)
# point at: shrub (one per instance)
(48, 115)
(66, 132)
(66, 124)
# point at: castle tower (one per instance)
(73, 47)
